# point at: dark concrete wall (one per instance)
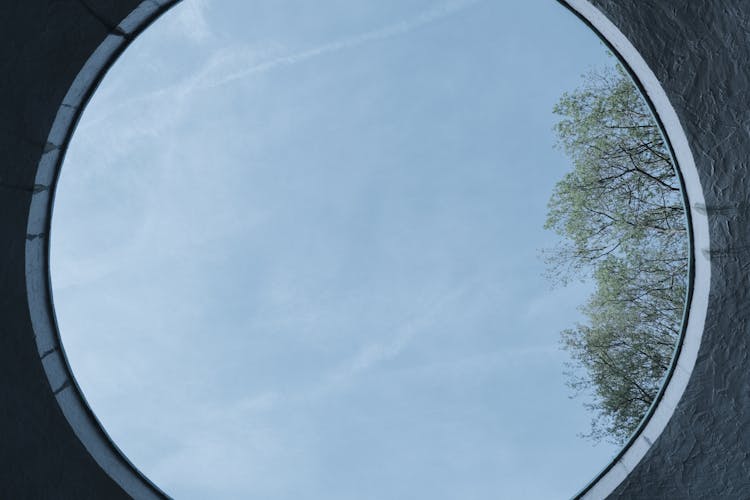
(700, 52)
(45, 43)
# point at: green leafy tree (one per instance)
(620, 213)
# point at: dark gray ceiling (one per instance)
(55, 52)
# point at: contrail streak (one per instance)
(390, 31)
(204, 79)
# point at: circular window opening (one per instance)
(296, 251)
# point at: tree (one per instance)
(620, 213)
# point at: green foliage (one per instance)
(621, 215)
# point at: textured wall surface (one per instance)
(700, 52)
(45, 43)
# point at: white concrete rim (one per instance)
(82, 419)
(68, 394)
(694, 320)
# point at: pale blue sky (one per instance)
(295, 251)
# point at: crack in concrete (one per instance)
(36, 188)
(47, 353)
(738, 208)
(64, 386)
(725, 252)
(32, 237)
(110, 27)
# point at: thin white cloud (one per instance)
(190, 21)
(400, 28)
(375, 353)
(226, 66)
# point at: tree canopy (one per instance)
(620, 213)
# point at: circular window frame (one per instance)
(81, 417)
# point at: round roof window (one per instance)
(299, 251)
